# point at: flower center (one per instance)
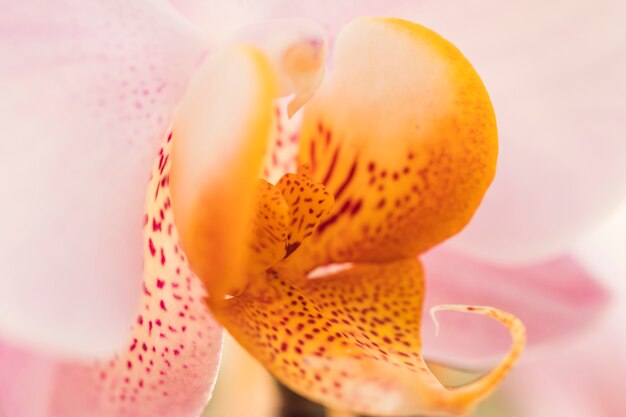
(285, 215)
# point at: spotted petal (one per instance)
(351, 340)
(167, 368)
(88, 89)
(403, 134)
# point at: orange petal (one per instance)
(285, 215)
(269, 228)
(403, 133)
(309, 204)
(351, 341)
(219, 139)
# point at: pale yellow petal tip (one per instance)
(469, 395)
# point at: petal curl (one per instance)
(168, 366)
(88, 88)
(403, 134)
(555, 74)
(351, 340)
(554, 300)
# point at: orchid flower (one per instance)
(100, 83)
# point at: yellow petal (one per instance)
(285, 215)
(268, 238)
(403, 134)
(219, 138)
(351, 340)
(309, 204)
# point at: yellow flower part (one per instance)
(351, 340)
(403, 134)
(396, 151)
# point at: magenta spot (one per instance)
(145, 290)
(162, 304)
(151, 246)
(160, 283)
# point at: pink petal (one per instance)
(218, 19)
(554, 299)
(583, 380)
(87, 92)
(330, 13)
(168, 367)
(555, 74)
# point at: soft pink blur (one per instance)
(88, 93)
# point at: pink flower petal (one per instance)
(330, 13)
(554, 299)
(583, 380)
(87, 92)
(554, 71)
(218, 19)
(168, 367)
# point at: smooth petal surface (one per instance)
(167, 368)
(554, 300)
(403, 134)
(583, 381)
(555, 74)
(586, 378)
(218, 19)
(87, 92)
